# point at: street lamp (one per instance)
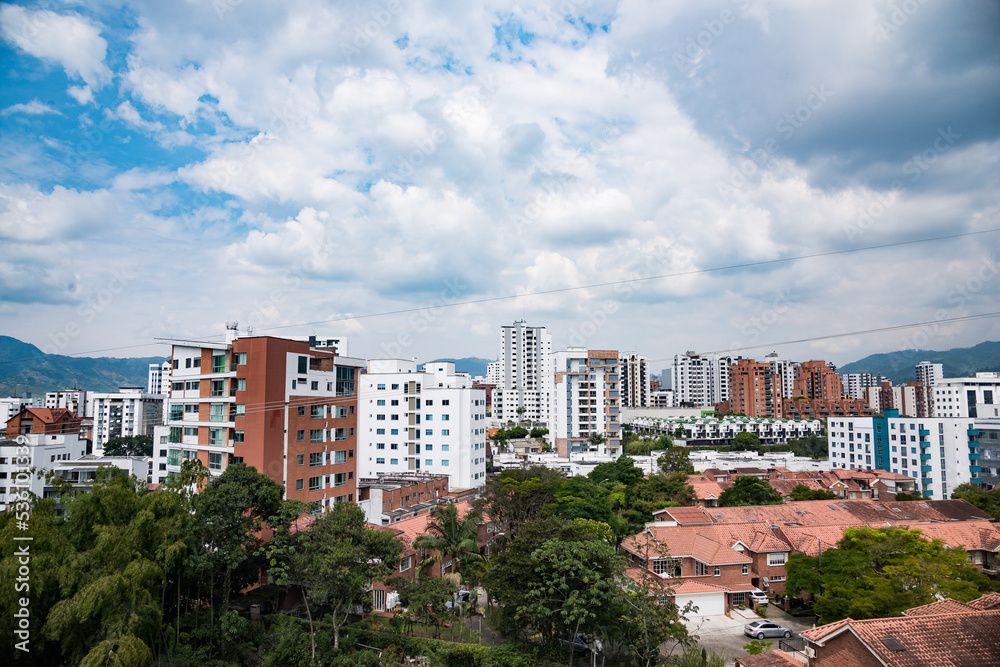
(819, 553)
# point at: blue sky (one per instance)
(170, 166)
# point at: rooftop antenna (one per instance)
(232, 331)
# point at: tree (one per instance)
(573, 588)
(803, 492)
(621, 470)
(229, 512)
(757, 646)
(904, 497)
(516, 497)
(654, 493)
(749, 490)
(596, 439)
(745, 441)
(539, 432)
(987, 501)
(452, 538)
(138, 445)
(674, 460)
(876, 573)
(339, 558)
(679, 432)
(582, 497)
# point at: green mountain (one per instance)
(25, 368)
(958, 362)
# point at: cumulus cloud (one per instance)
(32, 108)
(71, 40)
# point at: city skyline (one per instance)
(356, 170)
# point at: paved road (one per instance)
(724, 634)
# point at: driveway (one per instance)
(724, 634)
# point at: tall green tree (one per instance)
(675, 460)
(339, 558)
(451, 537)
(573, 589)
(745, 441)
(229, 513)
(749, 490)
(988, 501)
(515, 497)
(803, 492)
(137, 445)
(620, 470)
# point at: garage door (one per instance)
(709, 604)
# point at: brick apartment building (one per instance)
(286, 407)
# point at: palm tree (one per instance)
(452, 539)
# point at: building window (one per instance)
(215, 460)
(298, 485)
(340, 457)
(317, 412)
(776, 559)
(444, 462)
(315, 483)
(746, 569)
(718, 570)
(316, 458)
(379, 461)
(445, 418)
(299, 459)
(445, 431)
(393, 461)
(300, 435)
(238, 436)
(241, 384)
(316, 435)
(340, 479)
(380, 401)
(700, 569)
(405, 563)
(340, 434)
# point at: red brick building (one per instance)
(754, 390)
(50, 421)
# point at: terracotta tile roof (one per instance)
(408, 529)
(945, 606)
(987, 602)
(818, 633)
(828, 512)
(686, 587)
(772, 658)
(972, 639)
(52, 415)
(711, 545)
(687, 515)
(972, 535)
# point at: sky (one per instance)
(720, 176)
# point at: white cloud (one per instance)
(82, 94)
(71, 40)
(32, 108)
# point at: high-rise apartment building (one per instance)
(755, 390)
(286, 407)
(587, 400)
(75, 400)
(158, 381)
(783, 371)
(929, 374)
(977, 396)
(430, 421)
(817, 380)
(124, 414)
(701, 380)
(524, 389)
(635, 385)
(37, 440)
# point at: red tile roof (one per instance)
(945, 606)
(688, 587)
(817, 634)
(987, 602)
(772, 658)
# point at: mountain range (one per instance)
(25, 368)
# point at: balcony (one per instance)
(924, 443)
(972, 432)
(922, 433)
(974, 457)
(925, 457)
(974, 469)
(926, 481)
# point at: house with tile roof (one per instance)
(913, 640)
(772, 658)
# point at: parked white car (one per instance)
(759, 596)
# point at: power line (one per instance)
(560, 290)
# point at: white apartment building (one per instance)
(958, 397)
(10, 406)
(71, 399)
(525, 386)
(663, 398)
(81, 472)
(702, 380)
(430, 420)
(159, 378)
(856, 385)
(785, 369)
(586, 400)
(123, 414)
(712, 431)
(36, 448)
(929, 373)
(938, 452)
(494, 373)
(635, 385)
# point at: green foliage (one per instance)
(139, 445)
(645, 446)
(582, 497)
(905, 497)
(988, 501)
(675, 460)
(597, 439)
(757, 646)
(598, 528)
(875, 573)
(539, 432)
(622, 470)
(453, 538)
(803, 492)
(745, 441)
(515, 497)
(125, 651)
(749, 490)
